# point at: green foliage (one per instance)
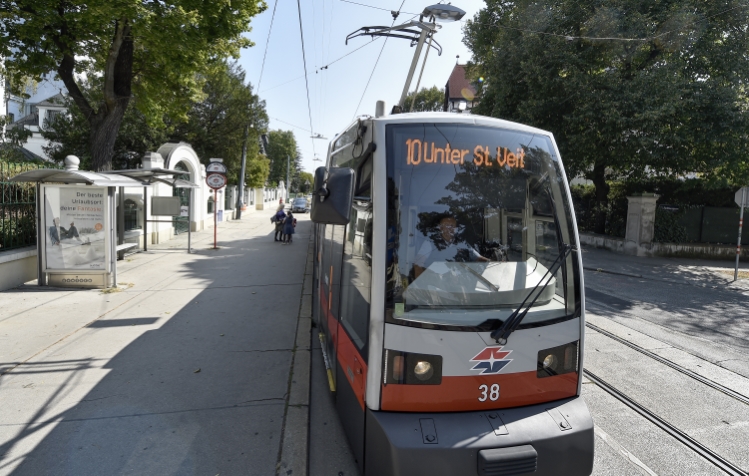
(627, 110)
(667, 228)
(16, 136)
(306, 180)
(432, 99)
(215, 127)
(156, 52)
(69, 135)
(587, 208)
(282, 144)
(216, 124)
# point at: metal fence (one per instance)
(712, 225)
(17, 206)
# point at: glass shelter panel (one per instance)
(477, 216)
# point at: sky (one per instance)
(337, 94)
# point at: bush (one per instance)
(667, 228)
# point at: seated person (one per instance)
(71, 232)
(446, 249)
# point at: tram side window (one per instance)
(356, 274)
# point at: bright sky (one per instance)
(335, 92)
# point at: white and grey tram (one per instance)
(448, 291)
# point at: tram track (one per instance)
(702, 450)
(704, 380)
(683, 438)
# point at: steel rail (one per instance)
(710, 383)
(674, 432)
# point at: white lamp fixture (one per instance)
(443, 12)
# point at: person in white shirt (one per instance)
(429, 253)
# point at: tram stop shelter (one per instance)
(77, 221)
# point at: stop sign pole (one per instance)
(215, 179)
(742, 200)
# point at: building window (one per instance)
(210, 205)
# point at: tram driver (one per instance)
(444, 247)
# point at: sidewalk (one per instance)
(696, 272)
(187, 369)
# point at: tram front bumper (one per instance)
(555, 438)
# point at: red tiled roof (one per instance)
(457, 82)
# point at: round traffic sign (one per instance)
(216, 167)
(215, 180)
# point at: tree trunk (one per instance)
(105, 121)
(602, 196)
(103, 134)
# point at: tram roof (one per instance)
(450, 117)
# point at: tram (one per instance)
(448, 293)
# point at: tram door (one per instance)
(328, 279)
(354, 309)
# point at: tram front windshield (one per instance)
(477, 217)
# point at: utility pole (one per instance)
(240, 198)
(288, 184)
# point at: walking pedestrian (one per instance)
(280, 216)
(288, 227)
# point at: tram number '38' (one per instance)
(492, 393)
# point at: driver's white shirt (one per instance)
(428, 253)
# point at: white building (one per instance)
(45, 100)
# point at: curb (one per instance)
(727, 285)
(293, 458)
(601, 270)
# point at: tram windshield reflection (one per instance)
(471, 226)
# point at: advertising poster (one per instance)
(75, 221)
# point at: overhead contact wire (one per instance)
(267, 42)
(395, 16)
(306, 79)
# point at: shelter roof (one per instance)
(167, 176)
(78, 177)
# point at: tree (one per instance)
(282, 144)
(306, 180)
(215, 126)
(432, 99)
(69, 135)
(156, 52)
(671, 102)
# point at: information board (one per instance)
(75, 221)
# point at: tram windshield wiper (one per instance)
(501, 334)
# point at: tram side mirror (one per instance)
(332, 196)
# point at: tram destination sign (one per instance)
(215, 180)
(742, 194)
(423, 152)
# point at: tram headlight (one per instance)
(550, 362)
(423, 370)
(412, 369)
(558, 360)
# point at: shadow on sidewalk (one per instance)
(201, 392)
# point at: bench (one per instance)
(120, 249)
